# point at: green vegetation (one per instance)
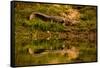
(49, 40)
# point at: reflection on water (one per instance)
(76, 48)
(59, 48)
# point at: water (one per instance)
(57, 47)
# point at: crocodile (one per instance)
(45, 17)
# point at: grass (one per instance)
(34, 34)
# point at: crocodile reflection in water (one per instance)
(72, 53)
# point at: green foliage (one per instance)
(47, 26)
